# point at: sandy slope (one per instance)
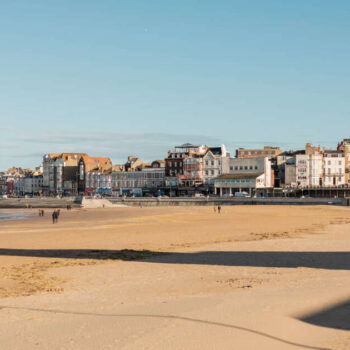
(231, 282)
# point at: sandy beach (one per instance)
(252, 277)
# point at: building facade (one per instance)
(174, 165)
(192, 171)
(215, 163)
(29, 184)
(245, 174)
(316, 168)
(267, 151)
(61, 173)
(344, 146)
(94, 175)
(334, 168)
(145, 179)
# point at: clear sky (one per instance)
(113, 78)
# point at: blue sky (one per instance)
(113, 78)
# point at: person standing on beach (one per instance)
(219, 209)
(214, 209)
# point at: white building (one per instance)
(316, 168)
(334, 168)
(245, 174)
(214, 162)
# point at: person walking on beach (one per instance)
(219, 209)
(214, 209)
(54, 216)
(42, 212)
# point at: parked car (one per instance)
(242, 194)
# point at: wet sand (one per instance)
(251, 277)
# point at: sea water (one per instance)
(14, 216)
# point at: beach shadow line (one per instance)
(318, 260)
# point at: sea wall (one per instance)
(152, 202)
(43, 202)
(214, 201)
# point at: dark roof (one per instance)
(292, 153)
(238, 176)
(188, 145)
(332, 151)
(215, 150)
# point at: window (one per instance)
(212, 172)
(206, 162)
(169, 163)
(212, 162)
(206, 172)
(231, 168)
(240, 168)
(256, 167)
(250, 167)
(245, 168)
(236, 167)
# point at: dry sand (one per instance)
(253, 277)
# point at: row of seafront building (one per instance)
(187, 169)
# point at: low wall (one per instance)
(212, 201)
(228, 201)
(39, 202)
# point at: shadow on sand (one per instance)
(337, 317)
(317, 260)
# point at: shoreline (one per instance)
(6, 215)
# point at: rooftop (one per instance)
(238, 176)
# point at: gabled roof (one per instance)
(96, 160)
(97, 163)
